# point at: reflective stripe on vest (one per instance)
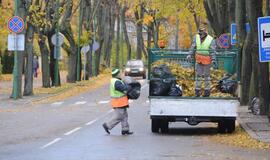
(118, 99)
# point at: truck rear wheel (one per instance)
(164, 126)
(226, 126)
(155, 126)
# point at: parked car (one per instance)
(135, 68)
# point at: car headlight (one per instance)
(127, 69)
(141, 69)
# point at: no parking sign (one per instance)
(223, 41)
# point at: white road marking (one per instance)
(50, 143)
(103, 102)
(91, 122)
(147, 101)
(57, 103)
(72, 131)
(80, 102)
(130, 101)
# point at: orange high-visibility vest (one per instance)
(118, 99)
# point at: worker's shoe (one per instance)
(127, 133)
(206, 93)
(197, 92)
(106, 128)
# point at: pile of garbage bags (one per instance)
(163, 83)
(227, 85)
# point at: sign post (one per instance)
(84, 50)
(15, 25)
(264, 38)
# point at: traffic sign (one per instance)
(85, 49)
(223, 41)
(233, 34)
(16, 42)
(264, 38)
(95, 46)
(60, 39)
(16, 24)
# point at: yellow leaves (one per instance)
(36, 17)
(240, 139)
(148, 19)
(71, 89)
(185, 77)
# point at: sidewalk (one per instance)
(257, 126)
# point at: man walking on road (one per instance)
(119, 102)
(203, 47)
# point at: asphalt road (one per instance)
(71, 130)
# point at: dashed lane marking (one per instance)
(80, 102)
(91, 122)
(50, 143)
(103, 102)
(72, 131)
(57, 103)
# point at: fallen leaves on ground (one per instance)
(240, 139)
(6, 77)
(67, 90)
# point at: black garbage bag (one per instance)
(160, 87)
(176, 90)
(162, 71)
(227, 85)
(134, 90)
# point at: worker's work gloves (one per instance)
(188, 58)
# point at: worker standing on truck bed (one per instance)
(119, 102)
(203, 47)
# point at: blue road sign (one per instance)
(233, 34)
(264, 38)
(223, 41)
(16, 24)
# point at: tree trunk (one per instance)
(44, 61)
(177, 34)
(139, 28)
(117, 58)
(123, 21)
(100, 28)
(260, 70)
(243, 50)
(246, 70)
(28, 83)
(217, 15)
(267, 8)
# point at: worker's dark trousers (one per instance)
(119, 115)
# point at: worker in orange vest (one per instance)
(119, 102)
(203, 47)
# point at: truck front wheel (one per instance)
(155, 126)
